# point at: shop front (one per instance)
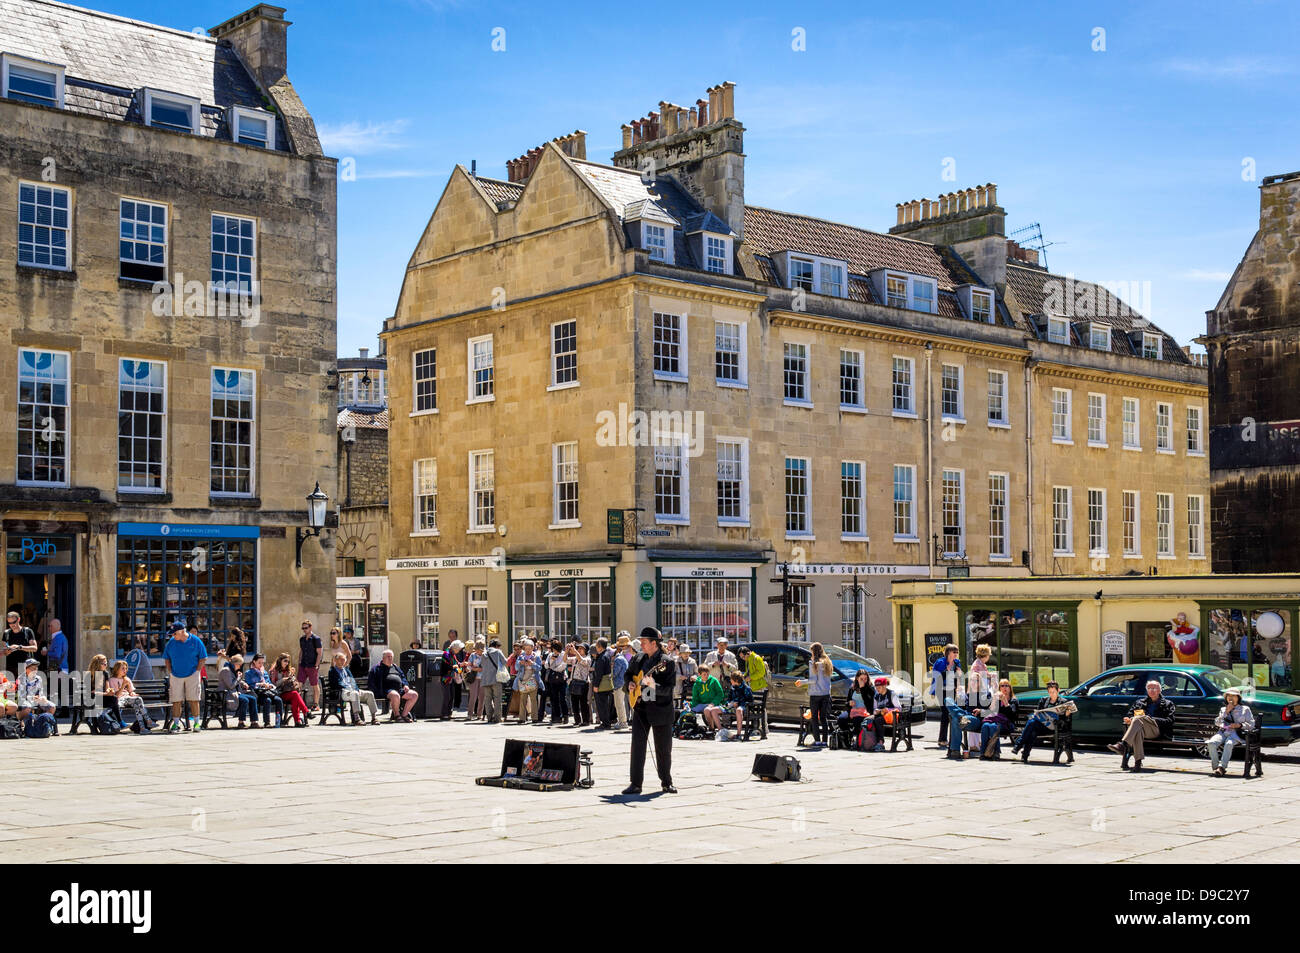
(431, 597)
(1069, 629)
(41, 582)
(200, 574)
(699, 602)
(561, 601)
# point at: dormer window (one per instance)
(910, 291)
(1099, 337)
(252, 127)
(171, 111)
(1058, 330)
(31, 81)
(656, 241)
(823, 276)
(1152, 346)
(981, 306)
(716, 254)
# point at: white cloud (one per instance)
(358, 139)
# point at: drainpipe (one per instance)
(1030, 366)
(929, 454)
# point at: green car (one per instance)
(1105, 699)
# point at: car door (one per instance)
(1105, 701)
(1186, 694)
(791, 665)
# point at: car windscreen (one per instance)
(1222, 679)
(844, 668)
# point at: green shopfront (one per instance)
(1032, 642)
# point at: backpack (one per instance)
(866, 740)
(107, 724)
(10, 728)
(39, 725)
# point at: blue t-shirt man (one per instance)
(57, 652)
(185, 657)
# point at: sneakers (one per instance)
(176, 726)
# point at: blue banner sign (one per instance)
(189, 530)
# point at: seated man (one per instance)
(1151, 717)
(978, 691)
(1041, 722)
(1232, 717)
(738, 699)
(341, 680)
(387, 679)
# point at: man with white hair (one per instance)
(1150, 718)
(387, 680)
(721, 662)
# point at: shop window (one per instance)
(1149, 642)
(1252, 644)
(698, 612)
(591, 604)
(528, 610)
(1030, 646)
(211, 583)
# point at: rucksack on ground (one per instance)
(866, 740)
(39, 725)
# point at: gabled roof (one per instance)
(1035, 291)
(504, 194)
(106, 59)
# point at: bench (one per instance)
(154, 692)
(332, 704)
(755, 717)
(1060, 738)
(1192, 729)
(900, 731)
(215, 708)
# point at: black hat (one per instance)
(650, 632)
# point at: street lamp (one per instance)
(316, 501)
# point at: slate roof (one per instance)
(107, 59)
(504, 194)
(1035, 291)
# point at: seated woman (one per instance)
(860, 692)
(884, 705)
(268, 698)
(122, 690)
(738, 699)
(100, 700)
(1041, 722)
(237, 694)
(283, 679)
(998, 720)
(707, 698)
(8, 694)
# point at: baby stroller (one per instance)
(690, 727)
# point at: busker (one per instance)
(1232, 716)
(653, 674)
(1150, 718)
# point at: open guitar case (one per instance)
(555, 758)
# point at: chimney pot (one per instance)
(993, 193)
(728, 100)
(702, 107)
(899, 207)
(715, 103)
(365, 352)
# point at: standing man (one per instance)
(944, 685)
(309, 648)
(182, 658)
(655, 673)
(602, 683)
(493, 662)
(721, 662)
(18, 638)
(622, 651)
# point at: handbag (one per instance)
(606, 684)
(858, 713)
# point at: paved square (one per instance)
(406, 793)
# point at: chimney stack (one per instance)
(701, 148)
(260, 37)
(573, 145)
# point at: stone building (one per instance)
(362, 498)
(1253, 344)
(167, 242)
(762, 389)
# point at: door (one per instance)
(561, 620)
(1186, 694)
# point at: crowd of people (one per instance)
(568, 683)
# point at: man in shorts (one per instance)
(309, 649)
(183, 657)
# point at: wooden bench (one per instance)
(900, 731)
(153, 692)
(332, 704)
(1060, 738)
(1193, 729)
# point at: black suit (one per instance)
(653, 717)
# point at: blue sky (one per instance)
(1131, 158)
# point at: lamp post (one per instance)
(316, 501)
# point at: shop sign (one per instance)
(39, 551)
(850, 569)
(492, 561)
(697, 571)
(934, 643)
(377, 623)
(188, 530)
(560, 572)
(1113, 649)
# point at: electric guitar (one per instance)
(634, 688)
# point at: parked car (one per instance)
(1105, 699)
(788, 662)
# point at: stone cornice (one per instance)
(1136, 381)
(896, 335)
